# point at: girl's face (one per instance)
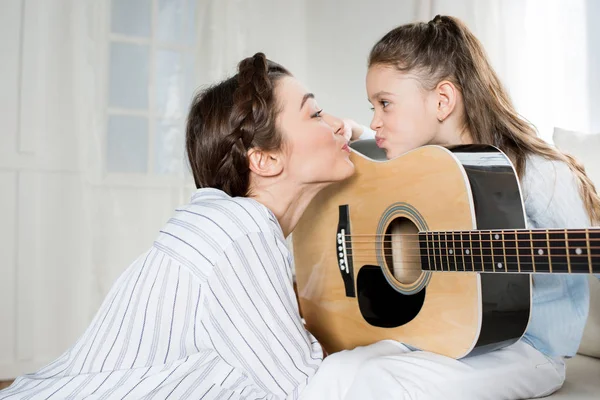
(405, 114)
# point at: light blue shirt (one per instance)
(560, 302)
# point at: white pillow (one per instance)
(586, 148)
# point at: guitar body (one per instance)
(373, 287)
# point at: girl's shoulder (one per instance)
(551, 194)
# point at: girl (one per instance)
(431, 83)
(209, 310)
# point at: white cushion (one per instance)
(582, 381)
(586, 147)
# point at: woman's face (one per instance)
(404, 113)
(315, 148)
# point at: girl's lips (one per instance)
(379, 141)
(345, 147)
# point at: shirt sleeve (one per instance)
(252, 320)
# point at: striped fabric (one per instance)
(208, 312)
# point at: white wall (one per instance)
(340, 35)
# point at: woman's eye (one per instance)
(317, 114)
(384, 103)
(373, 109)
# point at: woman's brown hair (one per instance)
(445, 49)
(228, 119)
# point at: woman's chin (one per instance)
(348, 170)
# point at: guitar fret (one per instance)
(424, 251)
(504, 251)
(454, 251)
(525, 243)
(486, 252)
(579, 251)
(492, 252)
(460, 250)
(498, 255)
(539, 250)
(428, 255)
(511, 255)
(532, 253)
(471, 247)
(438, 251)
(477, 254)
(548, 249)
(568, 251)
(433, 251)
(517, 251)
(587, 238)
(467, 250)
(446, 249)
(557, 251)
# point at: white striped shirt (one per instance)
(209, 312)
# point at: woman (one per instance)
(431, 83)
(209, 311)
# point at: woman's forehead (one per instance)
(292, 93)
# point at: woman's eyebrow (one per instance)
(306, 97)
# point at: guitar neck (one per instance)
(513, 251)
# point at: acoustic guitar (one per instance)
(430, 249)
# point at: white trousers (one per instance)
(389, 370)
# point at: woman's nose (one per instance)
(336, 124)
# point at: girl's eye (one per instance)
(317, 114)
(384, 103)
(373, 109)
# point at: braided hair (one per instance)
(228, 119)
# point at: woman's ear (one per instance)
(447, 96)
(265, 163)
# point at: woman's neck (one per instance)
(287, 201)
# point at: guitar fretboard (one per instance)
(539, 251)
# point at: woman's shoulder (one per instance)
(210, 223)
(217, 214)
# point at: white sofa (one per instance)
(583, 371)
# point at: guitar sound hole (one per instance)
(401, 250)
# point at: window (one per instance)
(150, 85)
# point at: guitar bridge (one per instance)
(343, 246)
